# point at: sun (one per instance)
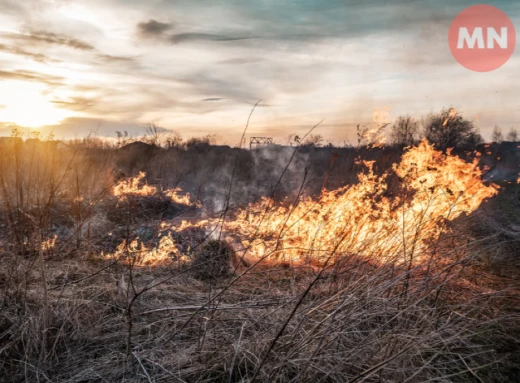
(27, 105)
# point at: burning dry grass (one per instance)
(138, 187)
(135, 186)
(139, 254)
(380, 289)
(364, 219)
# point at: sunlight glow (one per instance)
(78, 12)
(26, 104)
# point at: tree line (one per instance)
(447, 129)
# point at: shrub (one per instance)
(213, 260)
(448, 129)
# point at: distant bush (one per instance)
(404, 131)
(497, 136)
(448, 129)
(201, 143)
(512, 135)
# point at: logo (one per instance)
(482, 38)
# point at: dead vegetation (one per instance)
(354, 324)
(101, 287)
(214, 259)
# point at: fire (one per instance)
(362, 219)
(451, 113)
(180, 200)
(140, 254)
(369, 219)
(137, 186)
(376, 136)
(49, 243)
(134, 186)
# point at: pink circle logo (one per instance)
(482, 38)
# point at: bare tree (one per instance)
(512, 135)
(404, 131)
(448, 129)
(153, 134)
(497, 136)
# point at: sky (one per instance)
(198, 66)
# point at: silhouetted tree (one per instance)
(497, 137)
(152, 134)
(448, 129)
(404, 131)
(512, 135)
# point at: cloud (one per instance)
(29, 44)
(153, 28)
(26, 75)
(240, 61)
(225, 85)
(121, 64)
(39, 57)
(11, 7)
(76, 103)
(36, 38)
(192, 36)
(162, 31)
(201, 64)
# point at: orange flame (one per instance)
(136, 186)
(376, 136)
(362, 219)
(452, 113)
(139, 254)
(180, 200)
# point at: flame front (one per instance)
(134, 186)
(137, 186)
(370, 219)
(362, 219)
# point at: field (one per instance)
(205, 263)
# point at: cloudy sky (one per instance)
(198, 66)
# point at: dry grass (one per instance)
(105, 320)
(355, 324)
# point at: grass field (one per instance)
(278, 266)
